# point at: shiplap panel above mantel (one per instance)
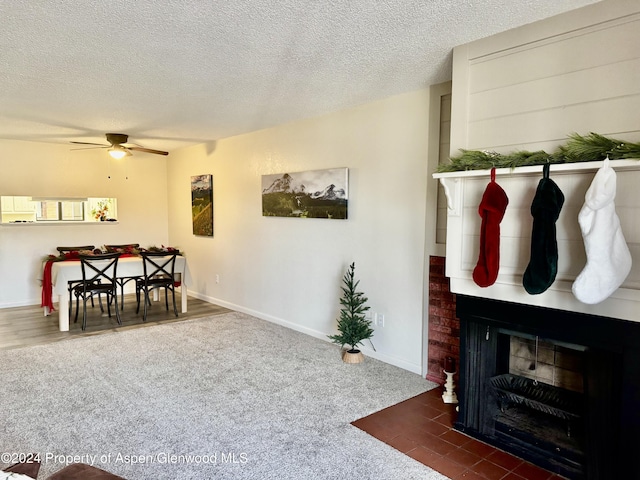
(596, 84)
(557, 56)
(531, 87)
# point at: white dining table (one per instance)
(64, 272)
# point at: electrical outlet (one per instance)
(380, 319)
(217, 278)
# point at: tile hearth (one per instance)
(422, 428)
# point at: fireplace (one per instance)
(540, 403)
(560, 389)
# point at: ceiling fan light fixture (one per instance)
(118, 152)
(117, 149)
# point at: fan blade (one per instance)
(89, 148)
(90, 143)
(148, 150)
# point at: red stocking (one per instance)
(492, 207)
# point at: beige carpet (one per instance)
(224, 397)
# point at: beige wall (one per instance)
(284, 270)
(289, 270)
(40, 169)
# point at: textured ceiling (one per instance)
(179, 72)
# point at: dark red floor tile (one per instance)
(505, 460)
(390, 414)
(418, 433)
(401, 443)
(469, 475)
(513, 476)
(392, 425)
(424, 455)
(531, 472)
(489, 470)
(435, 428)
(376, 430)
(365, 422)
(432, 413)
(436, 444)
(447, 467)
(384, 435)
(396, 424)
(421, 427)
(435, 400)
(433, 393)
(409, 405)
(458, 439)
(479, 448)
(447, 419)
(463, 457)
(415, 420)
(419, 398)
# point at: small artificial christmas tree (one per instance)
(352, 325)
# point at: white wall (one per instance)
(289, 270)
(40, 169)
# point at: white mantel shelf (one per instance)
(627, 164)
(451, 180)
(464, 191)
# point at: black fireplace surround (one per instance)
(598, 435)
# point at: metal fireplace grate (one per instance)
(558, 402)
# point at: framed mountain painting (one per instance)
(309, 194)
(202, 205)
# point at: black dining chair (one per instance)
(122, 281)
(99, 273)
(73, 252)
(159, 272)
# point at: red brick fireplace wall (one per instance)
(444, 327)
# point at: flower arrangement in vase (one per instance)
(101, 210)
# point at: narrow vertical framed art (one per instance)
(202, 205)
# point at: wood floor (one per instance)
(22, 326)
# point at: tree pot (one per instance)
(352, 356)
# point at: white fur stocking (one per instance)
(608, 257)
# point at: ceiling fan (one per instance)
(117, 148)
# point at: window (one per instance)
(73, 211)
(22, 209)
(60, 210)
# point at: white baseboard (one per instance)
(367, 351)
(23, 303)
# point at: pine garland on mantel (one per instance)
(589, 148)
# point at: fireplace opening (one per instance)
(559, 389)
(537, 396)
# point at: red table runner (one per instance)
(47, 300)
(47, 286)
